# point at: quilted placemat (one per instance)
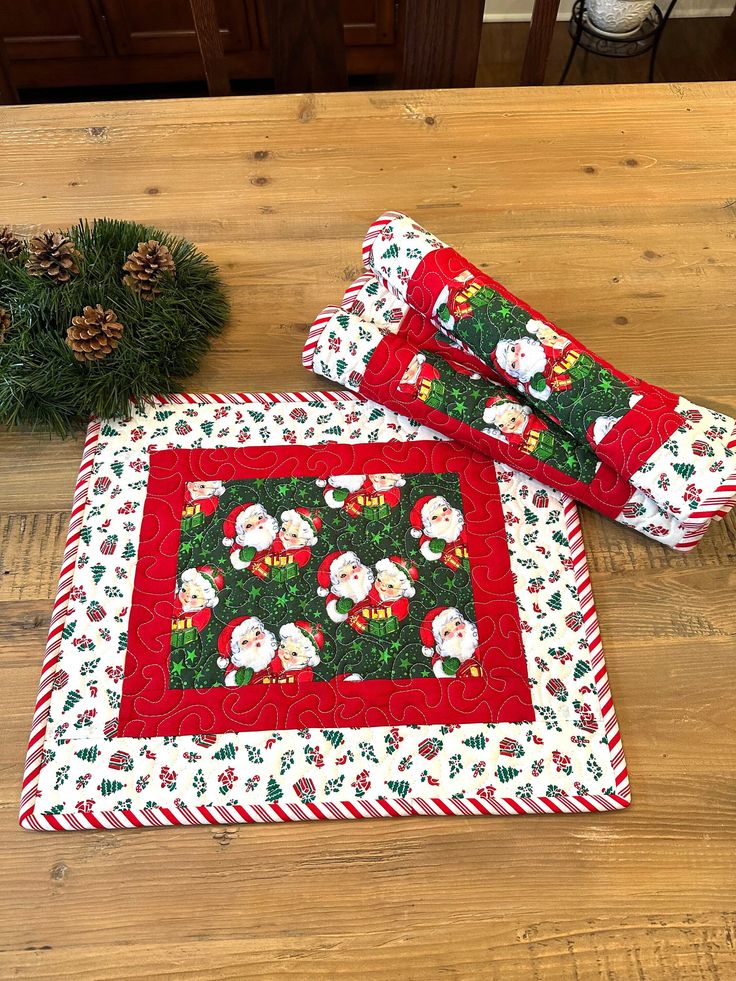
(304, 606)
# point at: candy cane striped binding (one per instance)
(58, 616)
(590, 618)
(375, 230)
(714, 508)
(315, 330)
(352, 291)
(340, 810)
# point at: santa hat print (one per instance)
(214, 576)
(495, 400)
(310, 519)
(432, 624)
(309, 635)
(420, 511)
(324, 578)
(229, 525)
(407, 569)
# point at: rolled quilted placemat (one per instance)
(679, 454)
(372, 300)
(432, 387)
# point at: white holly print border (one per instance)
(570, 759)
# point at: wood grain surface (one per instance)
(614, 211)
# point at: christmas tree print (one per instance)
(273, 791)
(108, 787)
(277, 601)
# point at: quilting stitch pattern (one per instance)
(97, 779)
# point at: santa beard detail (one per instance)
(260, 538)
(462, 644)
(529, 358)
(348, 482)
(253, 649)
(448, 528)
(357, 587)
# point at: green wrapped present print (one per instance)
(581, 367)
(283, 573)
(376, 512)
(183, 638)
(545, 446)
(433, 393)
(383, 628)
(190, 521)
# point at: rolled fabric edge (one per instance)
(325, 355)
(404, 228)
(692, 474)
(715, 507)
(351, 293)
(370, 299)
(694, 504)
(374, 230)
(315, 331)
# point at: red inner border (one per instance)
(150, 708)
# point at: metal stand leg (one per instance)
(575, 42)
(658, 38)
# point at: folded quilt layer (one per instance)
(679, 454)
(431, 336)
(385, 368)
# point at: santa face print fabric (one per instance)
(470, 359)
(306, 606)
(346, 569)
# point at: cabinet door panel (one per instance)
(50, 29)
(140, 27)
(367, 23)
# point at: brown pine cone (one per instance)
(4, 323)
(95, 334)
(147, 267)
(53, 255)
(10, 245)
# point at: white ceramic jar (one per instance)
(618, 17)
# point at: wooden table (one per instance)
(613, 210)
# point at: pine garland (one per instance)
(43, 385)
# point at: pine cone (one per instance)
(147, 267)
(10, 245)
(95, 334)
(4, 323)
(53, 255)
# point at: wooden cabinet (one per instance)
(48, 31)
(139, 27)
(119, 42)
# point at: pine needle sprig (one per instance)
(42, 385)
